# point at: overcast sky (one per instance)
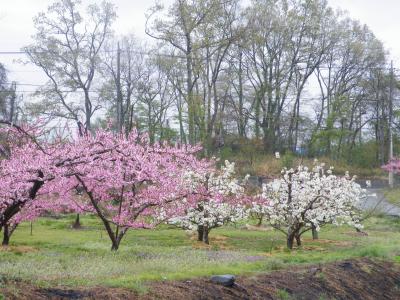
(16, 26)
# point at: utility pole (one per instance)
(13, 101)
(391, 179)
(119, 92)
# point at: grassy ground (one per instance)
(57, 255)
(393, 195)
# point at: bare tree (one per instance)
(179, 28)
(154, 99)
(9, 101)
(67, 47)
(124, 65)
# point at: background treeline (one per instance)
(251, 79)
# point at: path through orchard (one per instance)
(376, 200)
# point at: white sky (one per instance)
(16, 26)
(381, 16)
(16, 29)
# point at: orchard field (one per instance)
(55, 255)
(156, 213)
(231, 150)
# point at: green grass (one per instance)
(392, 195)
(283, 295)
(58, 255)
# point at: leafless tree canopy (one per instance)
(281, 75)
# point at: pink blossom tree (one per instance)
(24, 168)
(29, 212)
(393, 166)
(28, 167)
(127, 182)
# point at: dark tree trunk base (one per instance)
(298, 240)
(314, 233)
(200, 231)
(290, 242)
(205, 236)
(77, 223)
(6, 236)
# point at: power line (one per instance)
(12, 52)
(65, 91)
(323, 67)
(292, 99)
(103, 51)
(24, 84)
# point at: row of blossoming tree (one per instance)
(127, 182)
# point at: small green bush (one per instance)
(283, 295)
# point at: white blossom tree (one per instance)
(221, 200)
(257, 210)
(304, 199)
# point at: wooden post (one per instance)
(391, 179)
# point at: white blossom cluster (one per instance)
(211, 215)
(258, 210)
(221, 182)
(304, 197)
(219, 202)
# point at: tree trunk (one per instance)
(114, 245)
(6, 236)
(206, 231)
(290, 241)
(314, 233)
(260, 220)
(293, 233)
(88, 111)
(77, 223)
(241, 123)
(298, 240)
(200, 230)
(189, 90)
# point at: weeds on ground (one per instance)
(56, 254)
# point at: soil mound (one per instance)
(349, 279)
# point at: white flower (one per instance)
(310, 197)
(276, 185)
(220, 205)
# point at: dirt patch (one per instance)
(329, 242)
(258, 228)
(312, 245)
(356, 233)
(25, 291)
(320, 244)
(216, 242)
(350, 279)
(18, 249)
